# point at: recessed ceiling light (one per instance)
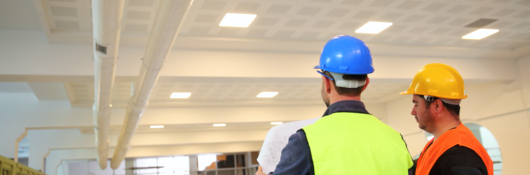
(219, 125)
(157, 126)
(276, 123)
(373, 27)
(237, 20)
(267, 94)
(180, 95)
(480, 33)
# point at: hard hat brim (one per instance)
(457, 98)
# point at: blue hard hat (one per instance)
(346, 55)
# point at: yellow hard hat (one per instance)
(437, 80)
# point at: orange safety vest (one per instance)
(461, 136)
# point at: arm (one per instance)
(296, 157)
(460, 160)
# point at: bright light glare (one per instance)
(180, 95)
(373, 27)
(205, 161)
(219, 125)
(267, 94)
(480, 33)
(237, 20)
(276, 123)
(157, 126)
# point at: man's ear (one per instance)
(327, 84)
(367, 82)
(438, 105)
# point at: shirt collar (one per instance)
(346, 106)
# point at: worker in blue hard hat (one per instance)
(347, 139)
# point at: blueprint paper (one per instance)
(276, 140)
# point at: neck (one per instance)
(337, 98)
(447, 123)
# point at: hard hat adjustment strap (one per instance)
(340, 82)
(321, 73)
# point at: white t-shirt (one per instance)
(276, 140)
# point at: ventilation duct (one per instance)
(169, 18)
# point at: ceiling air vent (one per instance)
(101, 49)
(480, 23)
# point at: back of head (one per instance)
(346, 61)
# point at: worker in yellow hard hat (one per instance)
(437, 91)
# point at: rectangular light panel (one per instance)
(237, 20)
(480, 34)
(180, 95)
(373, 27)
(219, 125)
(267, 94)
(276, 123)
(157, 126)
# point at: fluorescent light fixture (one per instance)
(373, 27)
(219, 125)
(267, 94)
(276, 123)
(237, 20)
(480, 33)
(180, 95)
(157, 126)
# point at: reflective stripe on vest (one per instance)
(354, 143)
(461, 136)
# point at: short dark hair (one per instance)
(453, 109)
(348, 91)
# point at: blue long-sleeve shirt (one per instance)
(296, 156)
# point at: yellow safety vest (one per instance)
(346, 143)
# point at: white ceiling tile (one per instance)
(310, 35)
(349, 26)
(321, 1)
(229, 31)
(460, 22)
(213, 5)
(418, 30)
(142, 3)
(459, 8)
(440, 31)
(61, 24)
(402, 39)
(435, 6)
(199, 30)
(138, 15)
(409, 5)
(136, 27)
(247, 7)
(296, 23)
(206, 18)
(482, 10)
(309, 11)
(504, 12)
(438, 20)
(389, 17)
(382, 3)
(365, 15)
(323, 24)
(284, 34)
(64, 11)
(337, 13)
(524, 14)
(257, 32)
(414, 18)
(278, 9)
(352, 2)
(523, 2)
(267, 21)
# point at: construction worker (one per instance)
(438, 90)
(347, 139)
